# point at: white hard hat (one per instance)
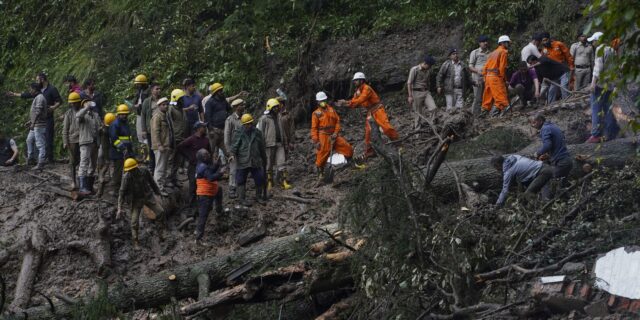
(359, 76)
(595, 37)
(504, 38)
(321, 96)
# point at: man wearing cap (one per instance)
(120, 144)
(141, 85)
(178, 121)
(230, 126)
(557, 51)
(366, 97)
(189, 148)
(161, 134)
(192, 103)
(149, 108)
(531, 48)
(584, 56)
(70, 136)
(217, 110)
(419, 89)
(603, 123)
(477, 59)
(453, 77)
(495, 98)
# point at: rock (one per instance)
(597, 309)
(563, 304)
(573, 267)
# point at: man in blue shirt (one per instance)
(553, 147)
(192, 104)
(531, 173)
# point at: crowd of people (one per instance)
(214, 136)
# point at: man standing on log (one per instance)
(419, 90)
(477, 60)
(70, 136)
(583, 55)
(230, 126)
(121, 144)
(248, 149)
(453, 78)
(138, 186)
(531, 173)
(553, 147)
(207, 176)
(366, 97)
(495, 98)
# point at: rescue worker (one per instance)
(533, 174)
(161, 138)
(452, 80)
(248, 148)
(141, 85)
(121, 143)
(139, 187)
(230, 126)
(104, 161)
(477, 60)
(554, 147)
(366, 97)
(584, 57)
(558, 51)
(70, 136)
(149, 108)
(419, 87)
(8, 151)
(325, 130)
(217, 111)
(495, 98)
(178, 121)
(192, 103)
(276, 144)
(189, 148)
(207, 176)
(88, 126)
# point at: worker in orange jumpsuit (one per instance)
(557, 51)
(325, 129)
(495, 98)
(365, 97)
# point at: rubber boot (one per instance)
(285, 184)
(242, 196)
(90, 181)
(74, 180)
(134, 238)
(260, 196)
(320, 180)
(83, 186)
(269, 181)
(232, 193)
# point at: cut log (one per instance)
(73, 195)
(158, 290)
(480, 173)
(252, 235)
(337, 309)
(29, 270)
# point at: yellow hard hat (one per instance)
(176, 94)
(109, 118)
(246, 118)
(140, 79)
(122, 109)
(215, 87)
(272, 103)
(130, 164)
(74, 97)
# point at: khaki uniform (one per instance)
(161, 136)
(584, 57)
(420, 81)
(477, 59)
(230, 126)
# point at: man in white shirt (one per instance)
(531, 48)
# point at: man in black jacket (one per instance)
(549, 69)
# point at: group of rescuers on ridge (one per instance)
(205, 132)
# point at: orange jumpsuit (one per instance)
(325, 122)
(559, 52)
(495, 89)
(366, 98)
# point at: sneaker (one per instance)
(593, 139)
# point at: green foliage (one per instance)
(98, 308)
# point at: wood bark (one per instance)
(157, 290)
(480, 174)
(33, 251)
(98, 247)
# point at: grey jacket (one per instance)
(445, 78)
(524, 170)
(230, 125)
(88, 126)
(70, 132)
(38, 112)
(267, 125)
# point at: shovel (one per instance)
(328, 175)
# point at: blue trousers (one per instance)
(204, 207)
(256, 173)
(603, 123)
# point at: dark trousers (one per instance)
(562, 167)
(256, 173)
(49, 138)
(118, 166)
(151, 164)
(544, 175)
(191, 174)
(204, 207)
(74, 159)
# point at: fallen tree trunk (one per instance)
(34, 247)
(482, 176)
(182, 282)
